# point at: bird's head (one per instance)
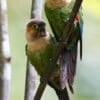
(35, 29)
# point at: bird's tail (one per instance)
(68, 61)
(63, 94)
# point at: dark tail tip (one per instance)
(62, 95)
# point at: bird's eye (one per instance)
(35, 26)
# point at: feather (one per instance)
(80, 29)
(81, 41)
(56, 36)
(68, 68)
(62, 94)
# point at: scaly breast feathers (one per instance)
(37, 45)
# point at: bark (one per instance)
(36, 12)
(30, 82)
(5, 68)
(36, 9)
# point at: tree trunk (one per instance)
(36, 12)
(5, 68)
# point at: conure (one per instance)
(39, 49)
(58, 13)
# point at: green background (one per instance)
(87, 81)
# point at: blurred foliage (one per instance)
(87, 81)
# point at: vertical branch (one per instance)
(36, 12)
(5, 68)
(36, 9)
(30, 82)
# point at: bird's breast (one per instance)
(37, 45)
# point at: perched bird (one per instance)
(39, 49)
(58, 13)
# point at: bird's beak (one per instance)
(42, 32)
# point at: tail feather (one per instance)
(80, 27)
(62, 95)
(68, 62)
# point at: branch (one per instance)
(36, 9)
(5, 67)
(36, 12)
(55, 56)
(30, 82)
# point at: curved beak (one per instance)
(42, 32)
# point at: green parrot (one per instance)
(58, 13)
(39, 49)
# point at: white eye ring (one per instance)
(35, 26)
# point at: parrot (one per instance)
(58, 13)
(39, 49)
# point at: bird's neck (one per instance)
(38, 44)
(57, 3)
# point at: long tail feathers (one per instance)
(62, 95)
(79, 20)
(80, 27)
(68, 63)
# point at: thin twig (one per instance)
(55, 56)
